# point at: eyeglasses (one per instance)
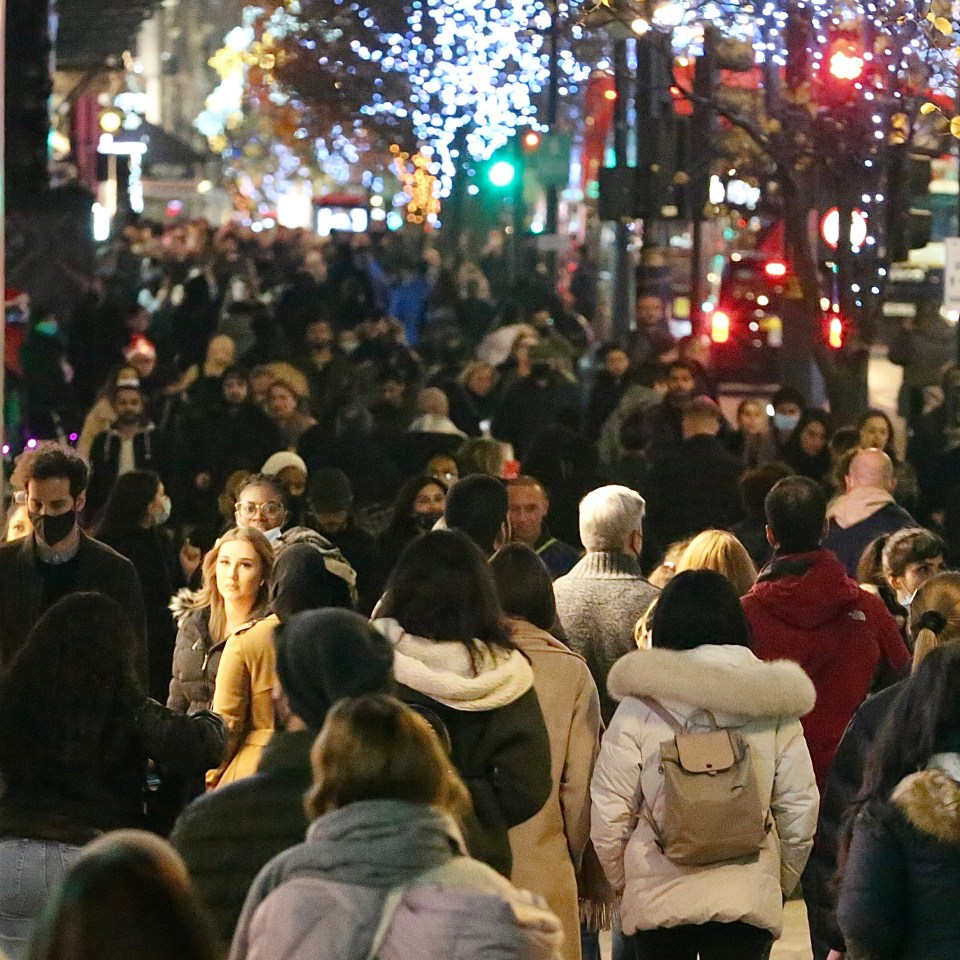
(20, 497)
(269, 510)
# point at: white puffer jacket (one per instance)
(763, 701)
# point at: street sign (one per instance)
(551, 161)
(951, 274)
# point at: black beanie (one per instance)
(326, 655)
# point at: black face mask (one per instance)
(427, 521)
(51, 530)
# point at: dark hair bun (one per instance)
(932, 620)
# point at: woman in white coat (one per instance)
(701, 661)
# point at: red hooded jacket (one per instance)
(805, 608)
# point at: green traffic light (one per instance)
(502, 173)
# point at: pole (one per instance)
(552, 225)
(3, 239)
(623, 268)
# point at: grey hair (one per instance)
(608, 516)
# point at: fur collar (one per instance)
(723, 679)
(930, 800)
(442, 670)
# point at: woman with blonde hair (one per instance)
(934, 622)
(384, 869)
(234, 596)
(723, 552)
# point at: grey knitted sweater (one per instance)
(599, 603)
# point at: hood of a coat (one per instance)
(930, 800)
(380, 843)
(443, 671)
(722, 679)
(855, 506)
(805, 590)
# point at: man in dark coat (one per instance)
(867, 509)
(695, 486)
(529, 506)
(58, 559)
(227, 836)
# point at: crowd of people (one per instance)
(356, 604)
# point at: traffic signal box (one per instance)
(908, 227)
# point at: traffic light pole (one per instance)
(622, 265)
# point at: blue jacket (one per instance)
(848, 543)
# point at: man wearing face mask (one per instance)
(326, 369)
(128, 445)
(59, 559)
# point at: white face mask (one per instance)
(905, 599)
(272, 535)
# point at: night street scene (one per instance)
(481, 480)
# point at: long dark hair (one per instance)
(923, 720)
(127, 505)
(402, 527)
(524, 585)
(816, 467)
(68, 698)
(442, 589)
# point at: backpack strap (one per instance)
(664, 714)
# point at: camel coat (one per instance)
(243, 697)
(547, 849)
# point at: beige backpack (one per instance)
(712, 810)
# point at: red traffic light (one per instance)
(531, 141)
(846, 61)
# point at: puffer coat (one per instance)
(762, 702)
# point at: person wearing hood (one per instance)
(804, 607)
(322, 655)
(701, 667)
(866, 510)
(901, 880)
(384, 870)
(454, 657)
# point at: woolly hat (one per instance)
(326, 655)
(330, 490)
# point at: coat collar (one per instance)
(607, 565)
(723, 679)
(930, 801)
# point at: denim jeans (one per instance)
(30, 870)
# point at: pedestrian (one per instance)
(702, 675)
(417, 508)
(232, 599)
(133, 524)
(753, 441)
(609, 385)
(807, 450)
(934, 621)
(18, 523)
(76, 734)
(59, 559)
(454, 657)
(910, 558)
(876, 433)
(721, 551)
(479, 507)
(548, 849)
(286, 407)
(866, 510)
(754, 485)
(693, 486)
(385, 840)
(600, 600)
(129, 444)
(226, 837)
(529, 506)
(901, 876)
(805, 608)
(472, 397)
(126, 897)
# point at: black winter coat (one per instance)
(900, 896)
(196, 659)
(843, 785)
(98, 569)
(107, 791)
(105, 462)
(692, 488)
(226, 837)
(503, 757)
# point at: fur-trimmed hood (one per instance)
(722, 679)
(930, 800)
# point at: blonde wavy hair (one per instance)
(209, 595)
(723, 552)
